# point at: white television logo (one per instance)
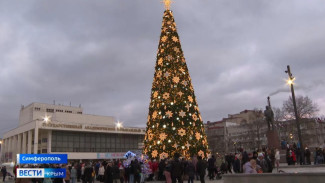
(30, 172)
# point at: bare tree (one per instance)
(278, 115)
(279, 118)
(306, 108)
(258, 124)
(254, 129)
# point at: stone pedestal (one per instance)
(273, 140)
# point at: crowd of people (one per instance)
(106, 171)
(259, 161)
(319, 156)
(297, 155)
(169, 170)
(177, 169)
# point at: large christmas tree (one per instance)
(174, 121)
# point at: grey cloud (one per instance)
(101, 54)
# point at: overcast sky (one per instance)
(101, 54)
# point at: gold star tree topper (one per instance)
(167, 3)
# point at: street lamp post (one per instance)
(290, 82)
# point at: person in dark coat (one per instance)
(302, 157)
(298, 154)
(229, 159)
(78, 172)
(271, 155)
(136, 169)
(127, 174)
(116, 173)
(177, 169)
(4, 173)
(190, 171)
(161, 168)
(108, 175)
(211, 167)
(238, 164)
(269, 161)
(245, 158)
(184, 165)
(289, 157)
(88, 173)
(201, 168)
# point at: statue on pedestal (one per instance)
(269, 117)
(271, 135)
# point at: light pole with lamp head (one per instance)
(290, 82)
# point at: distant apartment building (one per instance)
(312, 131)
(248, 130)
(46, 128)
(245, 129)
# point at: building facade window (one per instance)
(44, 140)
(49, 110)
(94, 142)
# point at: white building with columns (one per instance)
(46, 128)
